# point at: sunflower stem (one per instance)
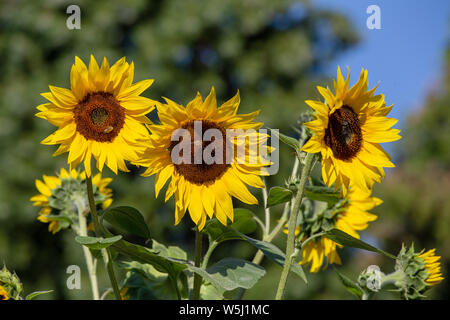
(90, 260)
(98, 231)
(212, 246)
(259, 254)
(266, 211)
(198, 261)
(290, 244)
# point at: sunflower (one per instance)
(433, 267)
(348, 130)
(199, 185)
(57, 195)
(103, 115)
(4, 294)
(350, 217)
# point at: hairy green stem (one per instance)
(259, 254)
(91, 262)
(290, 244)
(98, 231)
(198, 261)
(212, 246)
(266, 211)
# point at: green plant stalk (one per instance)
(212, 246)
(198, 261)
(259, 254)
(91, 262)
(266, 211)
(98, 231)
(290, 244)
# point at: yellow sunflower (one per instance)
(57, 199)
(199, 185)
(433, 267)
(348, 130)
(353, 216)
(4, 294)
(103, 115)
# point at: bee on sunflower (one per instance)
(205, 188)
(348, 129)
(101, 116)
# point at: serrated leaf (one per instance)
(291, 142)
(127, 220)
(33, 295)
(278, 195)
(324, 194)
(348, 241)
(95, 243)
(349, 285)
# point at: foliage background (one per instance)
(272, 51)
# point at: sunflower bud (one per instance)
(10, 285)
(419, 272)
(63, 197)
(371, 278)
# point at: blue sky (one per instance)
(405, 55)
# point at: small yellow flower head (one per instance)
(10, 285)
(348, 130)
(421, 270)
(349, 215)
(433, 267)
(4, 295)
(61, 196)
(102, 116)
(203, 188)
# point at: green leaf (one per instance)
(235, 273)
(171, 251)
(63, 219)
(220, 233)
(324, 194)
(229, 274)
(349, 285)
(97, 243)
(145, 255)
(243, 222)
(348, 241)
(33, 295)
(278, 195)
(127, 220)
(291, 142)
(276, 255)
(145, 282)
(209, 292)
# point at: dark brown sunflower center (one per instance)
(343, 134)
(99, 117)
(201, 158)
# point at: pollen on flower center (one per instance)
(99, 117)
(200, 173)
(343, 134)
